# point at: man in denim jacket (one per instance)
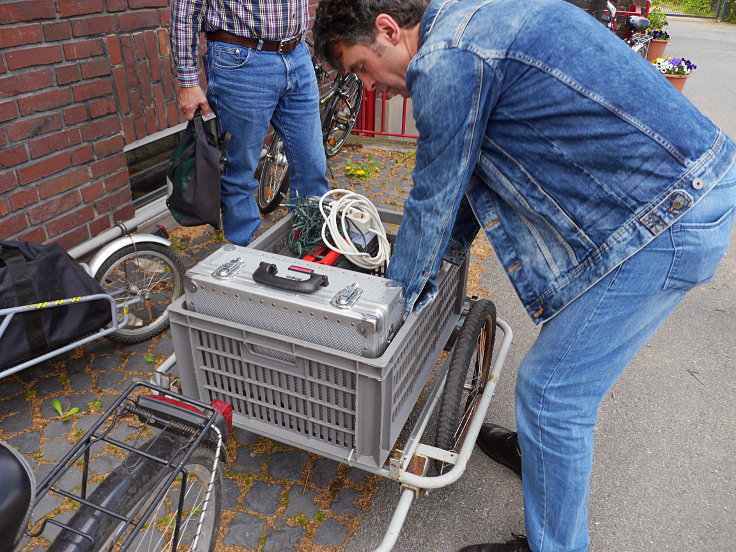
(606, 195)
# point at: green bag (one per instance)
(193, 173)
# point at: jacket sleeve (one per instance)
(186, 23)
(453, 93)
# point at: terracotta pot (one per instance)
(678, 81)
(656, 49)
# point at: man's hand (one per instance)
(189, 98)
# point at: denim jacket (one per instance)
(540, 126)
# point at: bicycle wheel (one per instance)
(151, 272)
(130, 484)
(343, 112)
(274, 177)
(467, 377)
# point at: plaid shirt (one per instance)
(263, 19)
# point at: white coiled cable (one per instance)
(339, 214)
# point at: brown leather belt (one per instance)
(282, 47)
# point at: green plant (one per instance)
(152, 358)
(64, 415)
(362, 169)
(177, 245)
(657, 19)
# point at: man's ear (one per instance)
(386, 25)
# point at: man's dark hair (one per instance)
(353, 22)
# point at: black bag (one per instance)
(193, 173)
(30, 274)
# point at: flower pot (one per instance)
(656, 49)
(678, 81)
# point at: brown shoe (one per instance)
(501, 445)
(518, 544)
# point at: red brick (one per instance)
(28, 128)
(70, 8)
(19, 36)
(8, 111)
(128, 131)
(42, 169)
(140, 46)
(26, 10)
(150, 116)
(54, 142)
(25, 82)
(76, 236)
(10, 157)
(44, 101)
(172, 114)
(108, 146)
(113, 50)
(129, 63)
(165, 18)
(145, 87)
(64, 182)
(144, 19)
(37, 235)
(31, 57)
(81, 155)
(98, 108)
(12, 225)
(160, 105)
(3, 69)
(99, 225)
(60, 30)
(117, 180)
(93, 191)
(108, 165)
(112, 201)
(8, 181)
(23, 198)
(69, 221)
(94, 89)
(163, 42)
(95, 68)
(100, 127)
(4, 209)
(51, 208)
(101, 24)
(75, 115)
(138, 4)
(84, 49)
(152, 55)
(121, 87)
(126, 213)
(67, 74)
(116, 5)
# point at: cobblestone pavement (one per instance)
(276, 498)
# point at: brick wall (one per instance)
(79, 79)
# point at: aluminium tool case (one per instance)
(334, 307)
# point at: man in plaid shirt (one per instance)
(258, 71)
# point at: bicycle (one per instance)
(634, 36)
(164, 492)
(338, 108)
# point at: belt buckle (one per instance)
(282, 44)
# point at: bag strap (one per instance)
(25, 293)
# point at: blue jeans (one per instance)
(248, 89)
(581, 352)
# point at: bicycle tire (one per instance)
(342, 114)
(467, 377)
(274, 178)
(150, 271)
(127, 485)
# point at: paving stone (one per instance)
(230, 494)
(9, 389)
(104, 464)
(80, 381)
(108, 362)
(164, 347)
(16, 404)
(57, 428)
(46, 505)
(48, 386)
(331, 533)
(99, 347)
(138, 363)
(86, 421)
(109, 379)
(324, 470)
(27, 443)
(246, 437)
(263, 498)
(141, 347)
(246, 463)
(55, 449)
(51, 531)
(17, 422)
(301, 501)
(76, 365)
(343, 505)
(283, 538)
(355, 474)
(82, 400)
(288, 465)
(33, 372)
(244, 530)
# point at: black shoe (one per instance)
(518, 544)
(501, 445)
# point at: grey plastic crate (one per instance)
(325, 401)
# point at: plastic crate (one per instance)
(339, 405)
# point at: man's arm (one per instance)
(453, 96)
(186, 22)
